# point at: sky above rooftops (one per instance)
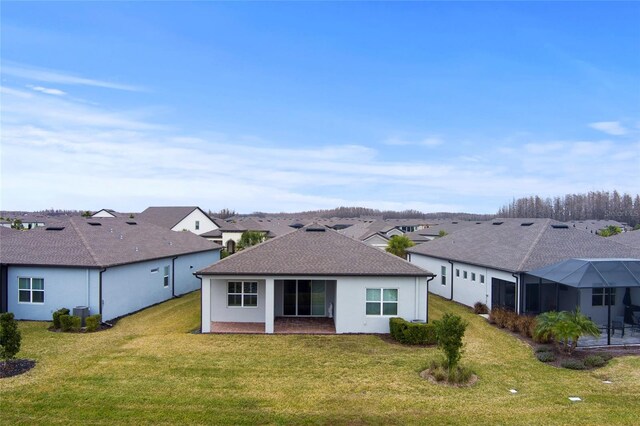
(295, 106)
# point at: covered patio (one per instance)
(282, 325)
(606, 290)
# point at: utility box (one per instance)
(82, 312)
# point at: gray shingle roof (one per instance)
(307, 252)
(113, 242)
(167, 217)
(516, 248)
(629, 238)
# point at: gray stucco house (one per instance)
(313, 272)
(115, 266)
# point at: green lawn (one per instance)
(150, 369)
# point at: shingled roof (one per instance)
(314, 250)
(520, 245)
(629, 238)
(167, 217)
(97, 243)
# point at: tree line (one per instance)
(594, 205)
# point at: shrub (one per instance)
(543, 349)
(524, 325)
(93, 322)
(76, 323)
(594, 361)
(512, 321)
(449, 333)
(606, 356)
(458, 375)
(412, 333)
(70, 323)
(497, 317)
(56, 317)
(573, 364)
(566, 328)
(546, 356)
(480, 308)
(10, 336)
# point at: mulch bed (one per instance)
(15, 367)
(425, 374)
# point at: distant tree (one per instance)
(442, 233)
(250, 238)
(9, 336)
(637, 227)
(16, 224)
(131, 216)
(223, 253)
(609, 231)
(86, 213)
(398, 245)
(224, 213)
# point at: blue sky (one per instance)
(294, 106)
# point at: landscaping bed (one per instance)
(15, 366)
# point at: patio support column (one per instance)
(206, 305)
(269, 309)
(609, 316)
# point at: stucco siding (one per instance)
(189, 223)
(186, 265)
(63, 288)
(221, 312)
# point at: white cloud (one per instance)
(609, 127)
(47, 90)
(51, 76)
(428, 142)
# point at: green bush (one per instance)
(10, 336)
(410, 333)
(450, 331)
(594, 361)
(56, 317)
(93, 322)
(76, 323)
(65, 322)
(546, 356)
(606, 356)
(459, 375)
(480, 308)
(573, 364)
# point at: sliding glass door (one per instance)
(304, 297)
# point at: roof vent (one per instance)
(478, 223)
(54, 228)
(560, 226)
(131, 223)
(315, 229)
(94, 223)
(296, 225)
(455, 223)
(497, 223)
(121, 236)
(526, 224)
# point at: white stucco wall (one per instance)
(189, 223)
(102, 213)
(63, 288)
(186, 265)
(465, 291)
(219, 311)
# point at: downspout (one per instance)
(427, 311)
(416, 306)
(173, 276)
(100, 290)
(200, 278)
(609, 317)
(88, 288)
(517, 295)
(451, 298)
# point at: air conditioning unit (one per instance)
(82, 312)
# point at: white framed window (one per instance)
(457, 272)
(464, 274)
(600, 297)
(242, 294)
(30, 290)
(382, 301)
(481, 279)
(197, 225)
(165, 278)
(473, 276)
(443, 275)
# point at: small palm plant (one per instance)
(398, 245)
(565, 328)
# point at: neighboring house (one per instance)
(114, 266)
(192, 219)
(488, 263)
(594, 226)
(629, 238)
(108, 213)
(28, 221)
(313, 272)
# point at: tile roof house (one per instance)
(488, 262)
(190, 218)
(313, 272)
(114, 266)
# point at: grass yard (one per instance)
(150, 369)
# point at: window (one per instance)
(473, 276)
(166, 276)
(481, 279)
(242, 294)
(457, 272)
(464, 274)
(197, 225)
(443, 275)
(382, 301)
(31, 290)
(600, 297)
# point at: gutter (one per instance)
(100, 290)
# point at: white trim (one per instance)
(31, 290)
(242, 294)
(382, 301)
